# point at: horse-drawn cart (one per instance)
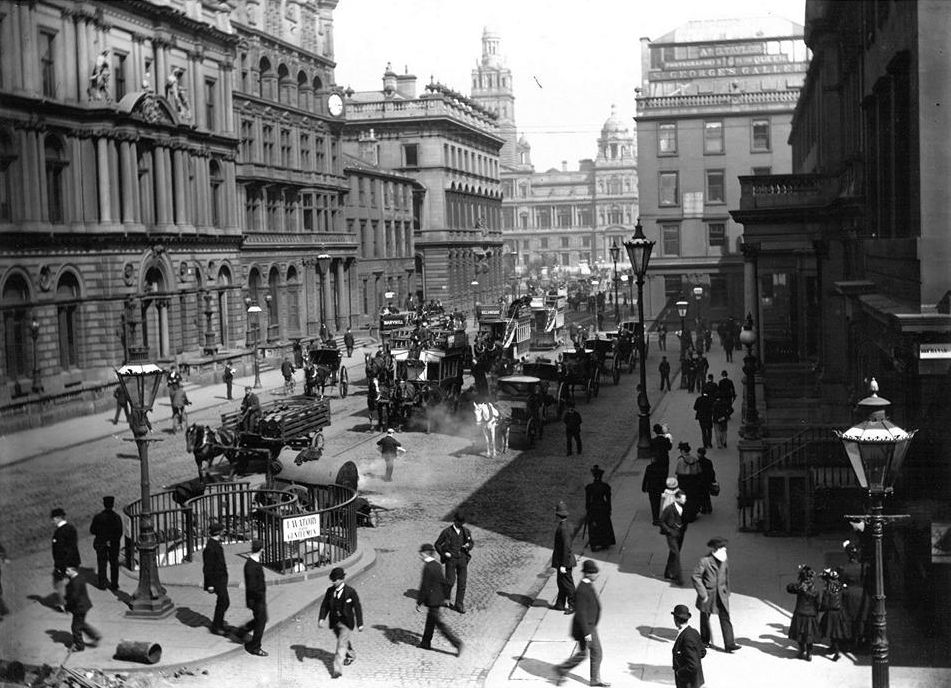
(553, 391)
(520, 395)
(580, 368)
(429, 380)
(326, 370)
(606, 355)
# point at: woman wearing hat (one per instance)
(689, 477)
(598, 512)
(584, 627)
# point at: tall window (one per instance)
(319, 156)
(615, 217)
(217, 182)
(243, 84)
(667, 138)
(543, 243)
(362, 190)
(759, 130)
(673, 287)
(713, 137)
(47, 50)
(302, 90)
(286, 147)
(274, 204)
(264, 75)
(372, 184)
(715, 190)
(716, 233)
(670, 235)
(306, 157)
(15, 298)
(668, 189)
(290, 207)
(307, 205)
(67, 294)
(210, 103)
(564, 216)
(564, 242)
(247, 140)
(268, 142)
(118, 74)
(544, 218)
(410, 155)
(282, 81)
(55, 180)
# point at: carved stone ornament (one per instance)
(128, 274)
(46, 278)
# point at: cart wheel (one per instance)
(276, 466)
(617, 373)
(344, 382)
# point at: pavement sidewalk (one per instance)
(636, 627)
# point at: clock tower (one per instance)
(492, 89)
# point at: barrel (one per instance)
(138, 651)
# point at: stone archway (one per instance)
(155, 335)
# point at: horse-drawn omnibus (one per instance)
(548, 319)
(511, 326)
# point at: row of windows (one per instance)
(398, 197)
(563, 258)
(278, 86)
(385, 240)
(713, 139)
(564, 242)
(565, 217)
(278, 147)
(669, 193)
(288, 210)
(670, 237)
(457, 158)
(613, 186)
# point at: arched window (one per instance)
(16, 326)
(67, 297)
(264, 75)
(7, 156)
(282, 82)
(217, 184)
(292, 289)
(224, 319)
(302, 90)
(55, 180)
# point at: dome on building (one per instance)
(614, 125)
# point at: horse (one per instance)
(206, 444)
(487, 418)
(373, 396)
(320, 377)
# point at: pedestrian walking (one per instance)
(255, 596)
(173, 379)
(598, 511)
(673, 525)
(710, 387)
(106, 529)
(664, 370)
(215, 573)
(324, 332)
(432, 595)
(708, 482)
(703, 412)
(835, 625)
(655, 477)
(804, 626)
(342, 607)
(584, 628)
(228, 377)
(726, 389)
(711, 580)
(348, 342)
(722, 410)
(287, 372)
(688, 651)
(78, 604)
(669, 493)
(688, 478)
(662, 337)
(389, 448)
(122, 403)
(454, 546)
(179, 402)
(563, 561)
(65, 554)
(660, 446)
(572, 420)
(4, 560)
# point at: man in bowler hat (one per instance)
(673, 525)
(711, 580)
(215, 573)
(688, 650)
(78, 604)
(255, 596)
(432, 595)
(454, 545)
(584, 627)
(563, 561)
(65, 553)
(106, 529)
(342, 604)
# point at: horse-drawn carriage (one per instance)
(553, 390)
(325, 369)
(625, 349)
(580, 368)
(548, 319)
(605, 348)
(518, 398)
(511, 326)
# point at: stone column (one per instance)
(343, 295)
(128, 181)
(327, 296)
(227, 104)
(134, 173)
(197, 82)
(181, 190)
(31, 81)
(76, 172)
(160, 186)
(231, 196)
(102, 168)
(68, 34)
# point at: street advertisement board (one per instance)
(394, 321)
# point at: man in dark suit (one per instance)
(673, 525)
(725, 388)
(563, 561)
(250, 410)
(348, 342)
(584, 627)
(342, 604)
(65, 553)
(703, 408)
(106, 529)
(78, 604)
(688, 651)
(432, 595)
(255, 597)
(215, 572)
(711, 580)
(454, 546)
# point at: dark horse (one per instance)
(207, 443)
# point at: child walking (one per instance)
(836, 627)
(804, 626)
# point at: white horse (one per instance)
(487, 418)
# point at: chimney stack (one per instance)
(564, 165)
(369, 151)
(406, 84)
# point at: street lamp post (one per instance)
(475, 300)
(141, 385)
(254, 310)
(639, 251)
(210, 348)
(698, 295)
(750, 429)
(594, 289)
(615, 254)
(682, 312)
(876, 448)
(35, 333)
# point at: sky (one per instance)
(570, 61)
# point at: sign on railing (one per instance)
(301, 527)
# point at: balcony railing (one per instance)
(419, 108)
(704, 100)
(784, 191)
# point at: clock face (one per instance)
(335, 104)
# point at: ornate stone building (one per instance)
(118, 228)
(450, 145)
(492, 88)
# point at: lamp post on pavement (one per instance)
(750, 428)
(698, 295)
(876, 448)
(141, 385)
(594, 289)
(639, 251)
(682, 312)
(35, 333)
(253, 341)
(615, 254)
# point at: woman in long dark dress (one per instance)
(598, 508)
(836, 626)
(804, 626)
